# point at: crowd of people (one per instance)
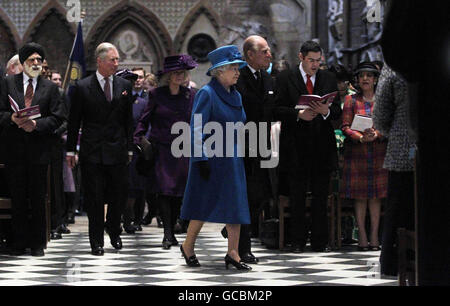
(97, 139)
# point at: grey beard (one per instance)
(31, 72)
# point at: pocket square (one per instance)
(125, 93)
(270, 92)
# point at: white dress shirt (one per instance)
(101, 80)
(252, 70)
(25, 83)
(313, 80)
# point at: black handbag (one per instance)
(146, 157)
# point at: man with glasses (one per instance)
(27, 147)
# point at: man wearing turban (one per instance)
(27, 143)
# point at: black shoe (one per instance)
(17, 252)
(191, 261)
(375, 248)
(97, 251)
(62, 229)
(116, 242)
(224, 232)
(37, 252)
(324, 249)
(138, 227)
(249, 258)
(174, 240)
(166, 243)
(363, 248)
(130, 229)
(55, 235)
(238, 265)
(296, 248)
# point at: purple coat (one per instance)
(169, 174)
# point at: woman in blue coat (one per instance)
(216, 188)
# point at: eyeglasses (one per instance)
(32, 60)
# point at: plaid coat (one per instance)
(363, 173)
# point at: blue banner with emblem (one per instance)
(76, 68)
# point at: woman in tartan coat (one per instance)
(364, 178)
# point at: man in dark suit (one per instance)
(102, 104)
(307, 144)
(27, 144)
(256, 87)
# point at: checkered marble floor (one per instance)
(142, 261)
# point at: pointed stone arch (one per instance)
(202, 7)
(9, 38)
(130, 14)
(51, 29)
(51, 7)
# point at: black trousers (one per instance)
(57, 198)
(258, 193)
(98, 179)
(28, 188)
(318, 183)
(399, 213)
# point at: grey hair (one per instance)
(103, 48)
(12, 61)
(165, 78)
(217, 71)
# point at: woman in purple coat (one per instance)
(167, 104)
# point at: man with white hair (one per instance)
(102, 104)
(14, 66)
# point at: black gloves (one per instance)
(205, 171)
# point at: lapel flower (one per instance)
(125, 93)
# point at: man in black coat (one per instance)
(307, 144)
(102, 105)
(27, 147)
(256, 87)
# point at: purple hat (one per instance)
(177, 62)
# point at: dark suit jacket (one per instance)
(107, 128)
(35, 146)
(305, 146)
(258, 104)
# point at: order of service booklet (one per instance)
(361, 123)
(305, 100)
(32, 112)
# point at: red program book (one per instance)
(32, 112)
(305, 100)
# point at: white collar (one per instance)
(313, 77)
(101, 78)
(252, 70)
(26, 78)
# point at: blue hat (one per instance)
(226, 55)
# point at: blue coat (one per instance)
(223, 197)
